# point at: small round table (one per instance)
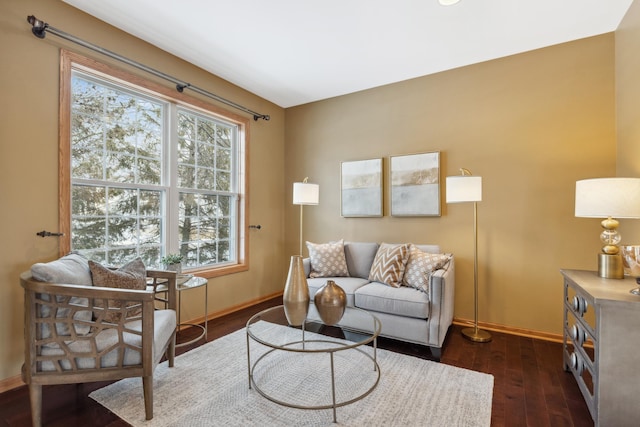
(185, 282)
(270, 328)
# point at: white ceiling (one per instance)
(292, 52)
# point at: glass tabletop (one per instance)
(270, 327)
(183, 282)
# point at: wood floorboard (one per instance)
(531, 387)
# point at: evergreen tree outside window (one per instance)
(148, 174)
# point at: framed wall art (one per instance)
(361, 188)
(415, 184)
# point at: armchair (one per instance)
(72, 335)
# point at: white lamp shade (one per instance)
(464, 188)
(305, 193)
(608, 197)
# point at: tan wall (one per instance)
(530, 125)
(628, 105)
(29, 162)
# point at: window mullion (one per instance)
(173, 196)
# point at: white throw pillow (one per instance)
(421, 266)
(327, 259)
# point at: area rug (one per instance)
(209, 387)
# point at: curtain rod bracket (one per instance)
(39, 29)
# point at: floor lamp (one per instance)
(466, 188)
(305, 193)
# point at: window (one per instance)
(148, 172)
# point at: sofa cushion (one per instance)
(130, 276)
(360, 257)
(389, 264)
(401, 301)
(421, 266)
(72, 269)
(349, 284)
(327, 259)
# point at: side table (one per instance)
(184, 283)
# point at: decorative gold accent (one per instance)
(296, 293)
(476, 335)
(331, 302)
(610, 266)
(610, 236)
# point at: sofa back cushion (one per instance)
(359, 257)
(432, 249)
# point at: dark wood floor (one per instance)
(530, 386)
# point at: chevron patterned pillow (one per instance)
(327, 259)
(389, 264)
(421, 266)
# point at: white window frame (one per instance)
(176, 100)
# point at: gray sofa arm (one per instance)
(306, 263)
(442, 290)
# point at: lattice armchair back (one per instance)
(82, 333)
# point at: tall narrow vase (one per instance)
(296, 293)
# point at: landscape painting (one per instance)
(361, 188)
(415, 184)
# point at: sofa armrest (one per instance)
(306, 262)
(442, 293)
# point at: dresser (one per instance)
(601, 345)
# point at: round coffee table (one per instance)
(285, 344)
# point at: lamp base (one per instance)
(610, 266)
(476, 335)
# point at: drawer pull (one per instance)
(580, 305)
(576, 363)
(578, 335)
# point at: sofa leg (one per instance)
(35, 397)
(147, 388)
(436, 353)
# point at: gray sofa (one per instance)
(406, 314)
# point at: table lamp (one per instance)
(608, 198)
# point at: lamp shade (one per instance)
(608, 197)
(464, 188)
(305, 193)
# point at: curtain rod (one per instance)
(40, 28)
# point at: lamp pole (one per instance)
(475, 334)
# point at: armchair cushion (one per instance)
(109, 347)
(130, 276)
(71, 269)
